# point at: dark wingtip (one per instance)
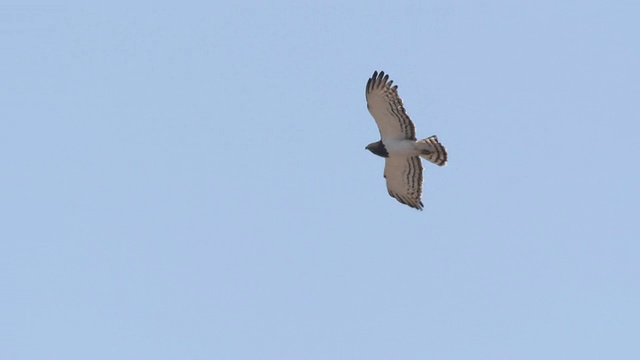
(371, 83)
(378, 79)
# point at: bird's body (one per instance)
(402, 147)
(397, 144)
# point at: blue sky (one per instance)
(189, 181)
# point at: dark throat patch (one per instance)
(378, 149)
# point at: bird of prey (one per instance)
(397, 144)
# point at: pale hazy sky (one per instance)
(189, 181)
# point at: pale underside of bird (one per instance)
(397, 144)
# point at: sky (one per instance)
(189, 181)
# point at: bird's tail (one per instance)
(432, 150)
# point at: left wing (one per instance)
(404, 179)
(385, 106)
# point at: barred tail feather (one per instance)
(433, 151)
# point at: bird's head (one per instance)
(378, 148)
(370, 146)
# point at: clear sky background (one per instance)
(189, 181)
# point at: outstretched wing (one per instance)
(404, 179)
(385, 106)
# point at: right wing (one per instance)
(404, 179)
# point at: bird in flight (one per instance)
(397, 144)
